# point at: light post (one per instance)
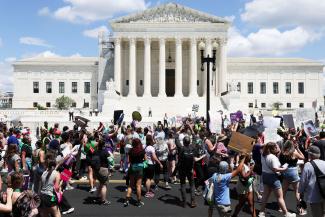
(208, 60)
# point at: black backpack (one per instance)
(187, 157)
(320, 179)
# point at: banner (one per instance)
(241, 143)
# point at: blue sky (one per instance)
(262, 28)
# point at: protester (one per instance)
(50, 186)
(321, 145)
(152, 161)
(136, 158)
(308, 183)
(100, 168)
(271, 168)
(161, 149)
(245, 186)
(221, 181)
(290, 155)
(185, 167)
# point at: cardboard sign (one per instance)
(215, 122)
(310, 128)
(305, 114)
(288, 121)
(81, 121)
(271, 122)
(241, 143)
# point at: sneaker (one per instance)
(182, 204)
(302, 212)
(261, 214)
(92, 190)
(156, 188)
(139, 204)
(105, 202)
(149, 195)
(69, 187)
(193, 204)
(167, 186)
(71, 210)
(289, 214)
(126, 203)
(197, 192)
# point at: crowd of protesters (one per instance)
(35, 176)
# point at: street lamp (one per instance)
(208, 60)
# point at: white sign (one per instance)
(270, 135)
(215, 122)
(305, 114)
(271, 122)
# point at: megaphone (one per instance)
(136, 116)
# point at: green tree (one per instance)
(63, 102)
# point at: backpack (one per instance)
(320, 179)
(27, 205)
(187, 156)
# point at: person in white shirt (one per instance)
(271, 169)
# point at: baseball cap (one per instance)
(314, 151)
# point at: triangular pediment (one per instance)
(170, 13)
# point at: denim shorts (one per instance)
(291, 175)
(272, 180)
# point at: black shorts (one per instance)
(48, 201)
(102, 175)
(149, 172)
(172, 157)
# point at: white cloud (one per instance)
(34, 41)
(44, 11)
(85, 11)
(6, 71)
(279, 13)
(268, 42)
(93, 33)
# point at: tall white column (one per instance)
(132, 67)
(162, 67)
(222, 66)
(208, 51)
(179, 65)
(147, 67)
(117, 64)
(193, 72)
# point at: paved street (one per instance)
(165, 203)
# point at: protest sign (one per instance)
(236, 117)
(288, 121)
(241, 143)
(195, 108)
(271, 135)
(305, 114)
(310, 128)
(215, 122)
(271, 122)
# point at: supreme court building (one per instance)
(152, 60)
